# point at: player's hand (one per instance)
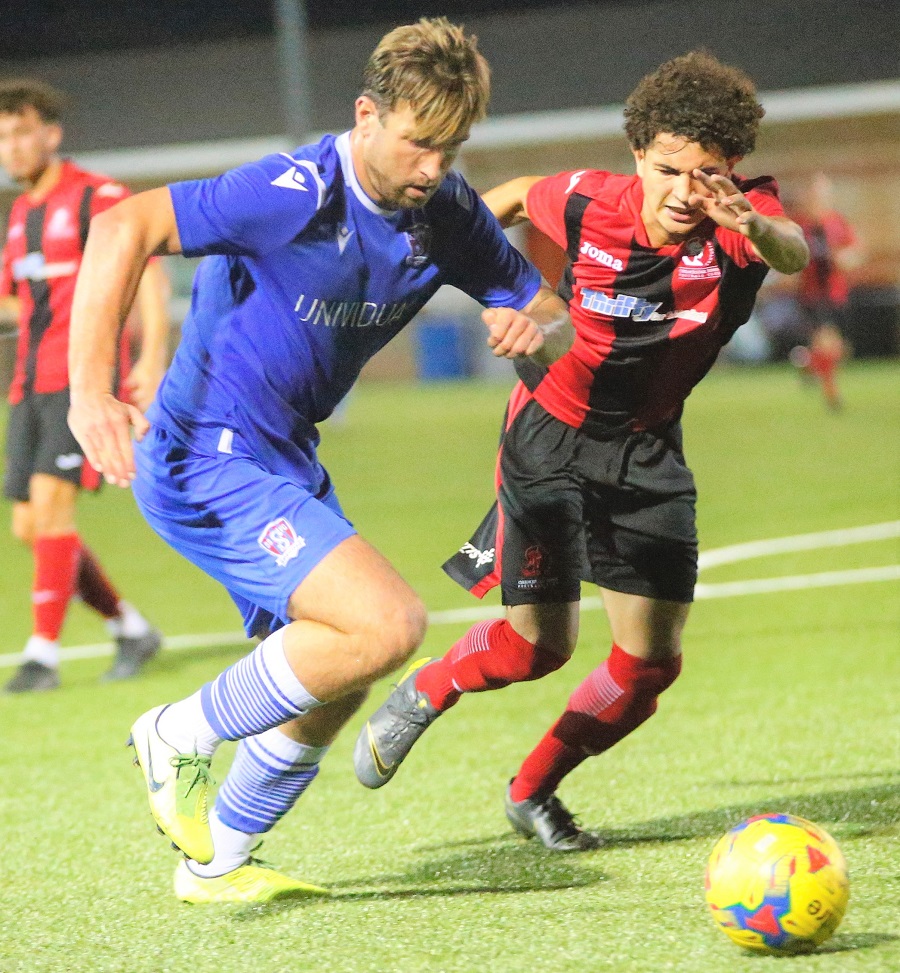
(723, 202)
(143, 381)
(512, 334)
(102, 425)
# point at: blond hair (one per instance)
(437, 69)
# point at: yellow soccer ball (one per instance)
(777, 884)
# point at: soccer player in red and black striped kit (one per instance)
(592, 484)
(45, 466)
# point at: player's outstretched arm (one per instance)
(541, 330)
(507, 201)
(153, 304)
(120, 242)
(778, 240)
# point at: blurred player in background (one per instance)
(823, 289)
(318, 259)
(45, 466)
(592, 484)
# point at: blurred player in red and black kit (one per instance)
(592, 484)
(824, 287)
(45, 466)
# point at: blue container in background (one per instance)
(442, 349)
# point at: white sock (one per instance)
(185, 727)
(129, 624)
(40, 649)
(232, 849)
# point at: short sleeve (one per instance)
(106, 195)
(250, 210)
(484, 263)
(546, 203)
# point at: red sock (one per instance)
(614, 700)
(95, 588)
(489, 656)
(55, 574)
(824, 366)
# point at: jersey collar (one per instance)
(342, 144)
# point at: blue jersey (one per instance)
(305, 279)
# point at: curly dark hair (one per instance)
(20, 93)
(700, 99)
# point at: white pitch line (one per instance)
(799, 542)
(797, 582)
(725, 589)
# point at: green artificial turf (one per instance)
(788, 702)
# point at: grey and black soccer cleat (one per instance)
(132, 654)
(391, 731)
(33, 677)
(551, 821)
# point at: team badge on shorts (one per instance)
(281, 541)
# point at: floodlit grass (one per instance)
(788, 702)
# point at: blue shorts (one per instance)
(258, 533)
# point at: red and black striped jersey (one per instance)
(822, 279)
(649, 321)
(44, 244)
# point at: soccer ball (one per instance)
(777, 884)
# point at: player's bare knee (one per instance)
(399, 632)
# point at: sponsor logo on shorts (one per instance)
(479, 557)
(281, 541)
(68, 461)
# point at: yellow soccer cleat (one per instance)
(177, 788)
(253, 882)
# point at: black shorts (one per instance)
(619, 513)
(818, 314)
(38, 440)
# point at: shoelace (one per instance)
(564, 822)
(259, 862)
(201, 764)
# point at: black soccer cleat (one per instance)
(390, 732)
(33, 677)
(132, 654)
(551, 821)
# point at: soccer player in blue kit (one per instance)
(316, 259)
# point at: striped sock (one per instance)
(614, 700)
(256, 693)
(269, 773)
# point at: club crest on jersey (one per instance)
(281, 541)
(699, 261)
(61, 226)
(418, 237)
